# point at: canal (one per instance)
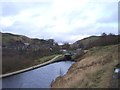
(37, 78)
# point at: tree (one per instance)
(111, 34)
(66, 46)
(51, 41)
(104, 34)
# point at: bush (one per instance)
(78, 55)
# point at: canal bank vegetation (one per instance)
(94, 70)
(40, 62)
(33, 66)
(47, 58)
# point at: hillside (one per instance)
(94, 70)
(20, 52)
(8, 37)
(92, 41)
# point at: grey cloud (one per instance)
(19, 28)
(73, 15)
(110, 18)
(109, 12)
(9, 9)
(13, 8)
(28, 30)
(107, 30)
(89, 29)
(108, 15)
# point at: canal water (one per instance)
(37, 78)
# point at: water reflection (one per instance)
(37, 78)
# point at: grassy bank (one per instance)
(94, 70)
(47, 60)
(44, 59)
(37, 62)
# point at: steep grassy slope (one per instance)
(8, 37)
(95, 70)
(87, 40)
(92, 41)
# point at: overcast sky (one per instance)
(62, 20)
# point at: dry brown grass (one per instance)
(95, 70)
